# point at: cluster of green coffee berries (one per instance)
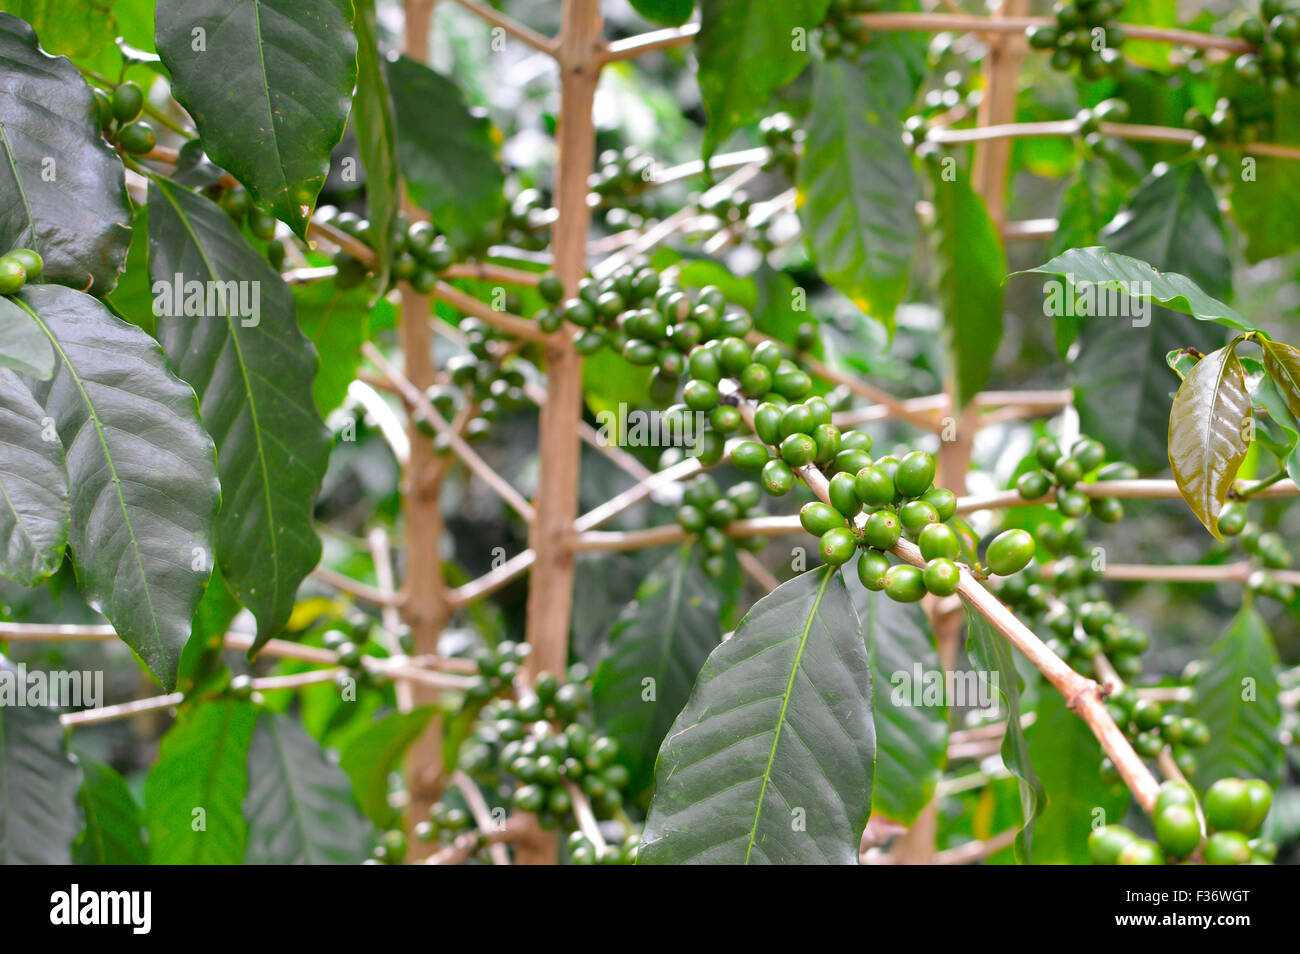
(1086, 32)
(1233, 810)
(844, 33)
(621, 183)
(19, 267)
(497, 667)
(706, 511)
(526, 220)
(1152, 726)
(1090, 120)
(1266, 548)
(350, 639)
(583, 852)
(490, 380)
(1275, 61)
(238, 204)
(783, 140)
(1060, 471)
(733, 213)
(118, 114)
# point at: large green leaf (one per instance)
(23, 346)
(195, 791)
(1065, 756)
(990, 652)
(375, 753)
(299, 805)
(1264, 201)
(114, 832)
(38, 788)
(772, 759)
(655, 650)
(337, 322)
(1209, 433)
(448, 154)
(269, 83)
(253, 377)
(33, 487)
(911, 738)
(1237, 697)
(857, 187)
(372, 112)
(668, 12)
(62, 188)
(141, 469)
(970, 266)
(747, 49)
(76, 28)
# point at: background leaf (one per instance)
(38, 788)
(143, 479)
(372, 113)
(272, 121)
(254, 386)
(33, 487)
(337, 322)
(375, 753)
(202, 764)
(78, 220)
(1264, 204)
(299, 805)
(777, 735)
(1208, 433)
(1236, 696)
(448, 154)
(667, 12)
(114, 832)
(75, 28)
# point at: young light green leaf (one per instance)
(375, 753)
(337, 322)
(1113, 272)
(23, 346)
(857, 188)
(33, 487)
(195, 791)
(970, 263)
(38, 788)
(1208, 433)
(1264, 202)
(114, 832)
(273, 119)
(911, 735)
(447, 153)
(372, 112)
(992, 654)
(1237, 697)
(746, 52)
(659, 642)
(771, 761)
(299, 804)
(1282, 362)
(253, 374)
(141, 469)
(62, 188)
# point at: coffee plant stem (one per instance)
(649, 42)
(478, 808)
(512, 27)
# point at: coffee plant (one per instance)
(817, 432)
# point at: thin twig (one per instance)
(511, 26)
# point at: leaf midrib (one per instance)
(785, 703)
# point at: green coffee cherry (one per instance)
(904, 583)
(844, 496)
(1010, 552)
(818, 518)
(837, 545)
(872, 567)
(915, 474)
(777, 478)
(941, 576)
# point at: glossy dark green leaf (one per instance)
(667, 12)
(771, 761)
(62, 188)
(272, 120)
(195, 791)
(372, 112)
(657, 646)
(970, 267)
(447, 153)
(1237, 697)
(33, 487)
(991, 653)
(911, 733)
(1209, 433)
(38, 788)
(857, 187)
(253, 376)
(141, 469)
(23, 346)
(375, 753)
(337, 322)
(114, 832)
(1066, 756)
(1266, 189)
(299, 804)
(747, 49)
